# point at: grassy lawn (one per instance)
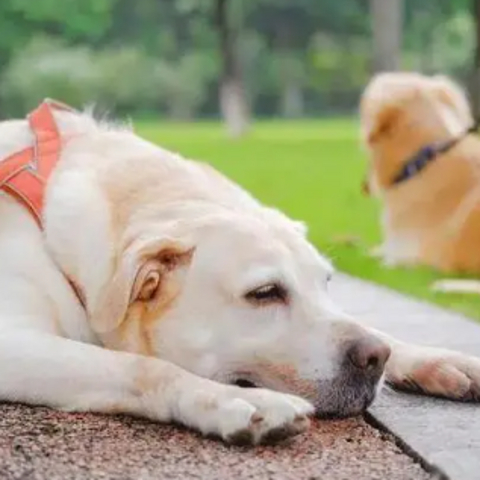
(312, 170)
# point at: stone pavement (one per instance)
(445, 434)
(41, 444)
(429, 436)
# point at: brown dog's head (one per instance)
(403, 112)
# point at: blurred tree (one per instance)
(287, 28)
(233, 101)
(387, 27)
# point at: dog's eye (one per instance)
(267, 294)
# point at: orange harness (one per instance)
(24, 174)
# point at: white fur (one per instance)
(115, 200)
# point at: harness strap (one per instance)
(24, 174)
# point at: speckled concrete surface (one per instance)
(41, 444)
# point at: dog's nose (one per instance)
(369, 354)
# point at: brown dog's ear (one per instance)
(383, 123)
(137, 278)
(452, 95)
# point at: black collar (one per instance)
(428, 154)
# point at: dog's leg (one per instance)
(41, 369)
(432, 371)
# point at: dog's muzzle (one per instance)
(354, 388)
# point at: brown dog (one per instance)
(425, 168)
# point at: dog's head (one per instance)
(179, 263)
(403, 112)
(241, 298)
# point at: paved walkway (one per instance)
(446, 434)
(41, 444)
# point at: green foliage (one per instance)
(76, 19)
(48, 68)
(78, 75)
(456, 40)
(184, 82)
(72, 20)
(133, 75)
(299, 57)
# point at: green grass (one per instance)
(312, 170)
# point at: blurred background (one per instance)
(174, 58)
(283, 77)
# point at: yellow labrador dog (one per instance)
(135, 281)
(425, 167)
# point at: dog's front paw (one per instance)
(441, 373)
(261, 416)
(254, 416)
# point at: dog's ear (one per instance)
(383, 122)
(140, 276)
(453, 96)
